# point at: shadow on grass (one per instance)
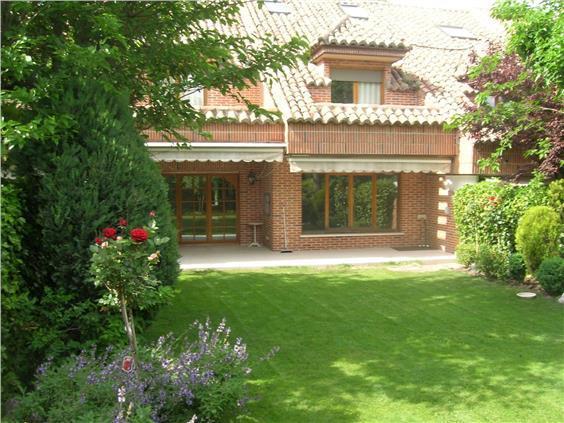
(372, 345)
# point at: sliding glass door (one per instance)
(205, 207)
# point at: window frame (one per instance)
(382, 83)
(355, 92)
(350, 206)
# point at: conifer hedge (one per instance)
(98, 173)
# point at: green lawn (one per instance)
(370, 345)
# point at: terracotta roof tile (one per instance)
(433, 60)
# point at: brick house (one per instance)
(358, 156)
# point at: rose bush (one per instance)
(109, 233)
(139, 235)
(122, 262)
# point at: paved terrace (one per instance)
(236, 257)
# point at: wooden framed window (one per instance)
(357, 86)
(349, 203)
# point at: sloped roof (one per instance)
(433, 59)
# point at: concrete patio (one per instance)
(199, 257)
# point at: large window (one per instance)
(356, 86)
(349, 203)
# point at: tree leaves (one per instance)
(154, 50)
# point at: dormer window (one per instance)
(354, 10)
(356, 86)
(457, 32)
(277, 6)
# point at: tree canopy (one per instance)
(78, 158)
(536, 35)
(518, 88)
(157, 51)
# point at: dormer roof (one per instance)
(424, 56)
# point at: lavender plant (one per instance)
(178, 379)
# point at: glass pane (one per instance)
(194, 226)
(338, 201)
(224, 209)
(362, 201)
(193, 188)
(342, 92)
(313, 202)
(368, 93)
(386, 197)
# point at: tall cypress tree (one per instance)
(99, 172)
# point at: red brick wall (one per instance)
(405, 98)
(401, 98)
(440, 216)
(320, 94)
(286, 187)
(215, 98)
(266, 186)
(419, 194)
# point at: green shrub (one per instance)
(18, 309)
(99, 173)
(492, 261)
(466, 254)
(556, 196)
(551, 275)
(488, 212)
(537, 235)
(516, 267)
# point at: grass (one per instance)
(371, 345)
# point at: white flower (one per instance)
(104, 244)
(153, 256)
(121, 394)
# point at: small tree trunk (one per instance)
(129, 328)
(133, 337)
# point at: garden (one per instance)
(98, 324)
(513, 232)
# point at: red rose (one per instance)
(152, 213)
(98, 241)
(122, 222)
(139, 235)
(109, 233)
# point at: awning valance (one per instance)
(357, 165)
(217, 152)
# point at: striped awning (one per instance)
(216, 152)
(368, 165)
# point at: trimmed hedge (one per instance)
(551, 275)
(537, 235)
(466, 254)
(487, 213)
(516, 267)
(492, 261)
